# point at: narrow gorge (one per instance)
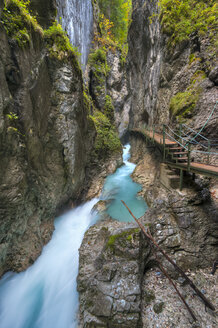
(103, 101)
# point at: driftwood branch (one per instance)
(198, 292)
(174, 285)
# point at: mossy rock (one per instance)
(19, 23)
(109, 108)
(158, 307)
(180, 19)
(98, 62)
(183, 103)
(59, 45)
(149, 296)
(107, 141)
(122, 239)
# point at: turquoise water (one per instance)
(119, 186)
(45, 295)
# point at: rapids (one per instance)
(45, 295)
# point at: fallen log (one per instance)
(198, 292)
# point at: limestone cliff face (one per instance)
(144, 61)
(45, 140)
(158, 72)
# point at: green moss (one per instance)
(107, 140)
(197, 77)
(183, 103)
(182, 18)
(158, 307)
(98, 62)
(109, 108)
(12, 116)
(193, 58)
(121, 238)
(88, 101)
(149, 296)
(59, 45)
(18, 22)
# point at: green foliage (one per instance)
(183, 103)
(193, 58)
(59, 45)
(98, 56)
(107, 140)
(118, 12)
(109, 108)
(182, 18)
(12, 116)
(98, 61)
(123, 238)
(18, 22)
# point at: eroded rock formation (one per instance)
(45, 139)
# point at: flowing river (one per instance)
(45, 295)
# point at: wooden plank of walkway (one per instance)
(157, 137)
(211, 170)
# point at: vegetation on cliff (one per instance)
(118, 12)
(18, 22)
(98, 61)
(182, 105)
(59, 45)
(182, 18)
(107, 141)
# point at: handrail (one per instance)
(192, 141)
(176, 141)
(187, 127)
(205, 122)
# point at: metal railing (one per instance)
(196, 150)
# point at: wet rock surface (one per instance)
(161, 306)
(45, 140)
(183, 223)
(157, 72)
(109, 280)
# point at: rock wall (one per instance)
(109, 278)
(45, 141)
(158, 72)
(144, 61)
(120, 282)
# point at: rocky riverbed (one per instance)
(119, 282)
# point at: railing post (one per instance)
(180, 132)
(164, 155)
(208, 156)
(189, 156)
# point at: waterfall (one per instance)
(77, 21)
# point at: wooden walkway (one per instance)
(175, 156)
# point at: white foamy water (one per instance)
(45, 295)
